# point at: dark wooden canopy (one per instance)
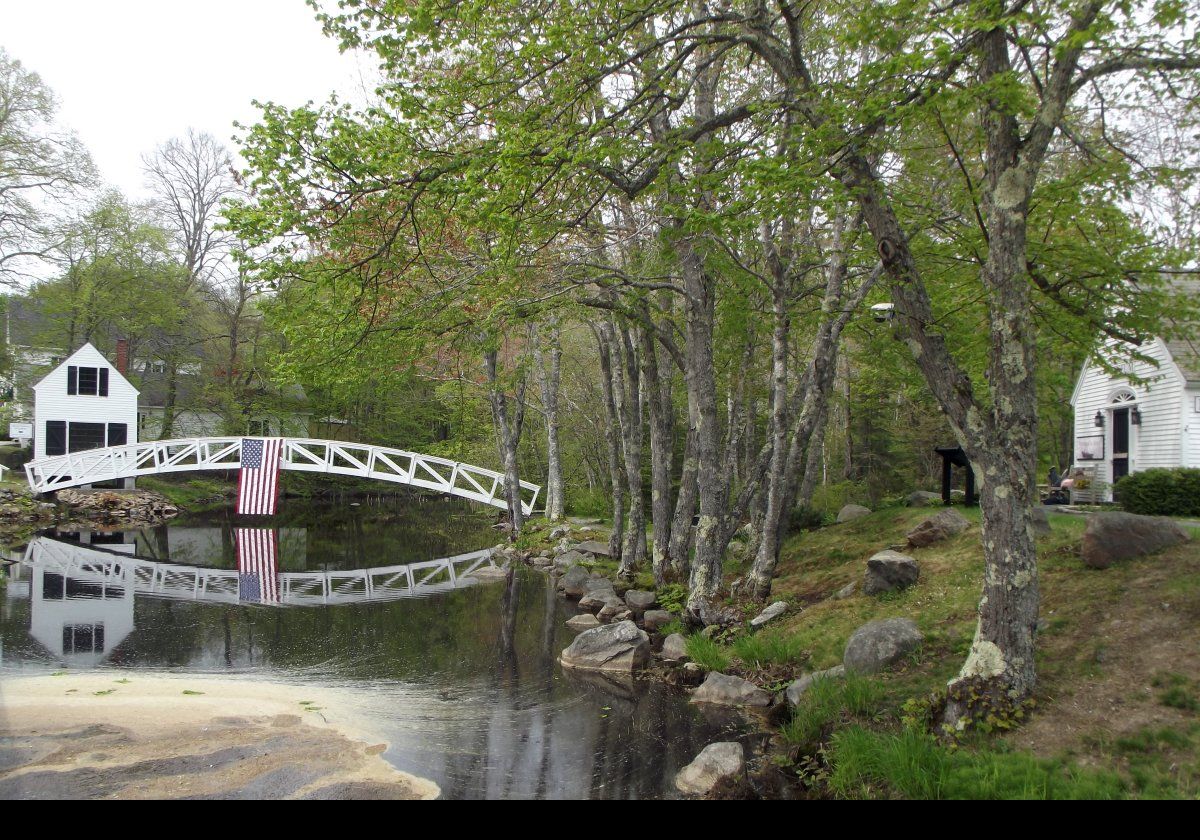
(953, 456)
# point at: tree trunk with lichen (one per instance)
(660, 416)
(612, 441)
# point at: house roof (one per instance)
(1185, 348)
(88, 354)
(1186, 354)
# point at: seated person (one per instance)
(1073, 479)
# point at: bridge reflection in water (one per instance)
(82, 597)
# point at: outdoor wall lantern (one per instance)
(1099, 420)
(1135, 417)
(883, 312)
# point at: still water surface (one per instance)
(453, 664)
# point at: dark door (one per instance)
(1120, 454)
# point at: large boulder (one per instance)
(880, 644)
(715, 762)
(796, 691)
(923, 498)
(851, 512)
(618, 647)
(890, 571)
(943, 525)
(594, 547)
(574, 582)
(769, 614)
(674, 648)
(1112, 537)
(724, 690)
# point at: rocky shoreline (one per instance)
(22, 514)
(626, 634)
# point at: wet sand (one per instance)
(96, 736)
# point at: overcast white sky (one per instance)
(130, 74)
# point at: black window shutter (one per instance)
(72, 379)
(117, 435)
(56, 437)
(103, 392)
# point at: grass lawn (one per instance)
(1118, 707)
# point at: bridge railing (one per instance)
(362, 460)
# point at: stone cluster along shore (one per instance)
(620, 633)
(22, 514)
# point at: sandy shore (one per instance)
(108, 735)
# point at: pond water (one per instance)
(454, 663)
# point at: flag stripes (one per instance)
(258, 565)
(258, 481)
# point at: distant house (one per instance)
(274, 411)
(84, 403)
(1149, 416)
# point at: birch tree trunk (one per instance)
(661, 415)
(551, 379)
(508, 435)
(611, 437)
(682, 529)
(627, 385)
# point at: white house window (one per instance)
(83, 638)
(87, 381)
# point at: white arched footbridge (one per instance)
(381, 463)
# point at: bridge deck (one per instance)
(380, 463)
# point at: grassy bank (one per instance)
(1117, 713)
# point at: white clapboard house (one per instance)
(1148, 416)
(84, 403)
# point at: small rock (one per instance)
(923, 498)
(715, 762)
(800, 687)
(574, 582)
(878, 644)
(560, 532)
(725, 690)
(653, 620)
(851, 512)
(639, 600)
(594, 547)
(614, 610)
(943, 525)
(692, 667)
(1041, 522)
(674, 648)
(610, 647)
(769, 614)
(598, 599)
(1112, 537)
(890, 571)
(583, 622)
(568, 559)
(846, 591)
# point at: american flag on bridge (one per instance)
(258, 481)
(258, 565)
